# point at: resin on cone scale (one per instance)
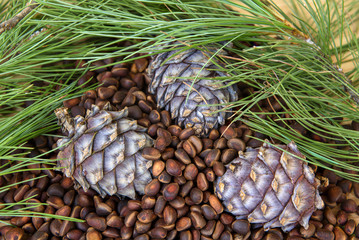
(270, 187)
(172, 74)
(103, 150)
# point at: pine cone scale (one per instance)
(270, 187)
(105, 154)
(172, 75)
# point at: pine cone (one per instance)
(172, 74)
(104, 151)
(270, 187)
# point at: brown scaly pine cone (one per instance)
(103, 151)
(270, 187)
(172, 74)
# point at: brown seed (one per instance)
(154, 116)
(307, 233)
(178, 202)
(186, 133)
(196, 142)
(202, 182)
(37, 222)
(349, 206)
(157, 168)
(129, 100)
(197, 219)
(134, 205)
(169, 215)
(226, 218)
(126, 232)
(144, 122)
(111, 233)
(173, 167)
(349, 227)
(164, 177)
(64, 211)
(152, 188)
(170, 191)
(228, 132)
(55, 226)
(165, 134)
(55, 202)
(93, 234)
(158, 232)
(142, 237)
(38, 236)
(114, 221)
(183, 224)
(145, 106)
(69, 197)
(329, 215)
(160, 143)
(134, 112)
(209, 228)
(19, 221)
(105, 92)
(199, 163)
(215, 203)
(190, 172)
(175, 130)
(130, 219)
(214, 134)
(185, 235)
(159, 206)
(85, 200)
(334, 193)
(186, 188)
(20, 192)
(218, 230)
(141, 227)
(324, 234)
(220, 143)
(182, 156)
(78, 110)
(146, 216)
(257, 234)
(213, 155)
(237, 144)
(317, 215)
(151, 153)
(14, 234)
(228, 155)
(127, 83)
(345, 185)
(182, 211)
(118, 97)
(219, 168)
(71, 102)
(85, 211)
(209, 174)
(74, 234)
(196, 195)
(342, 217)
(208, 212)
(168, 153)
(165, 118)
(102, 209)
(339, 233)
(189, 148)
(66, 226)
(99, 223)
(207, 144)
(148, 202)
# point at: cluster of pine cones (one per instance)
(269, 185)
